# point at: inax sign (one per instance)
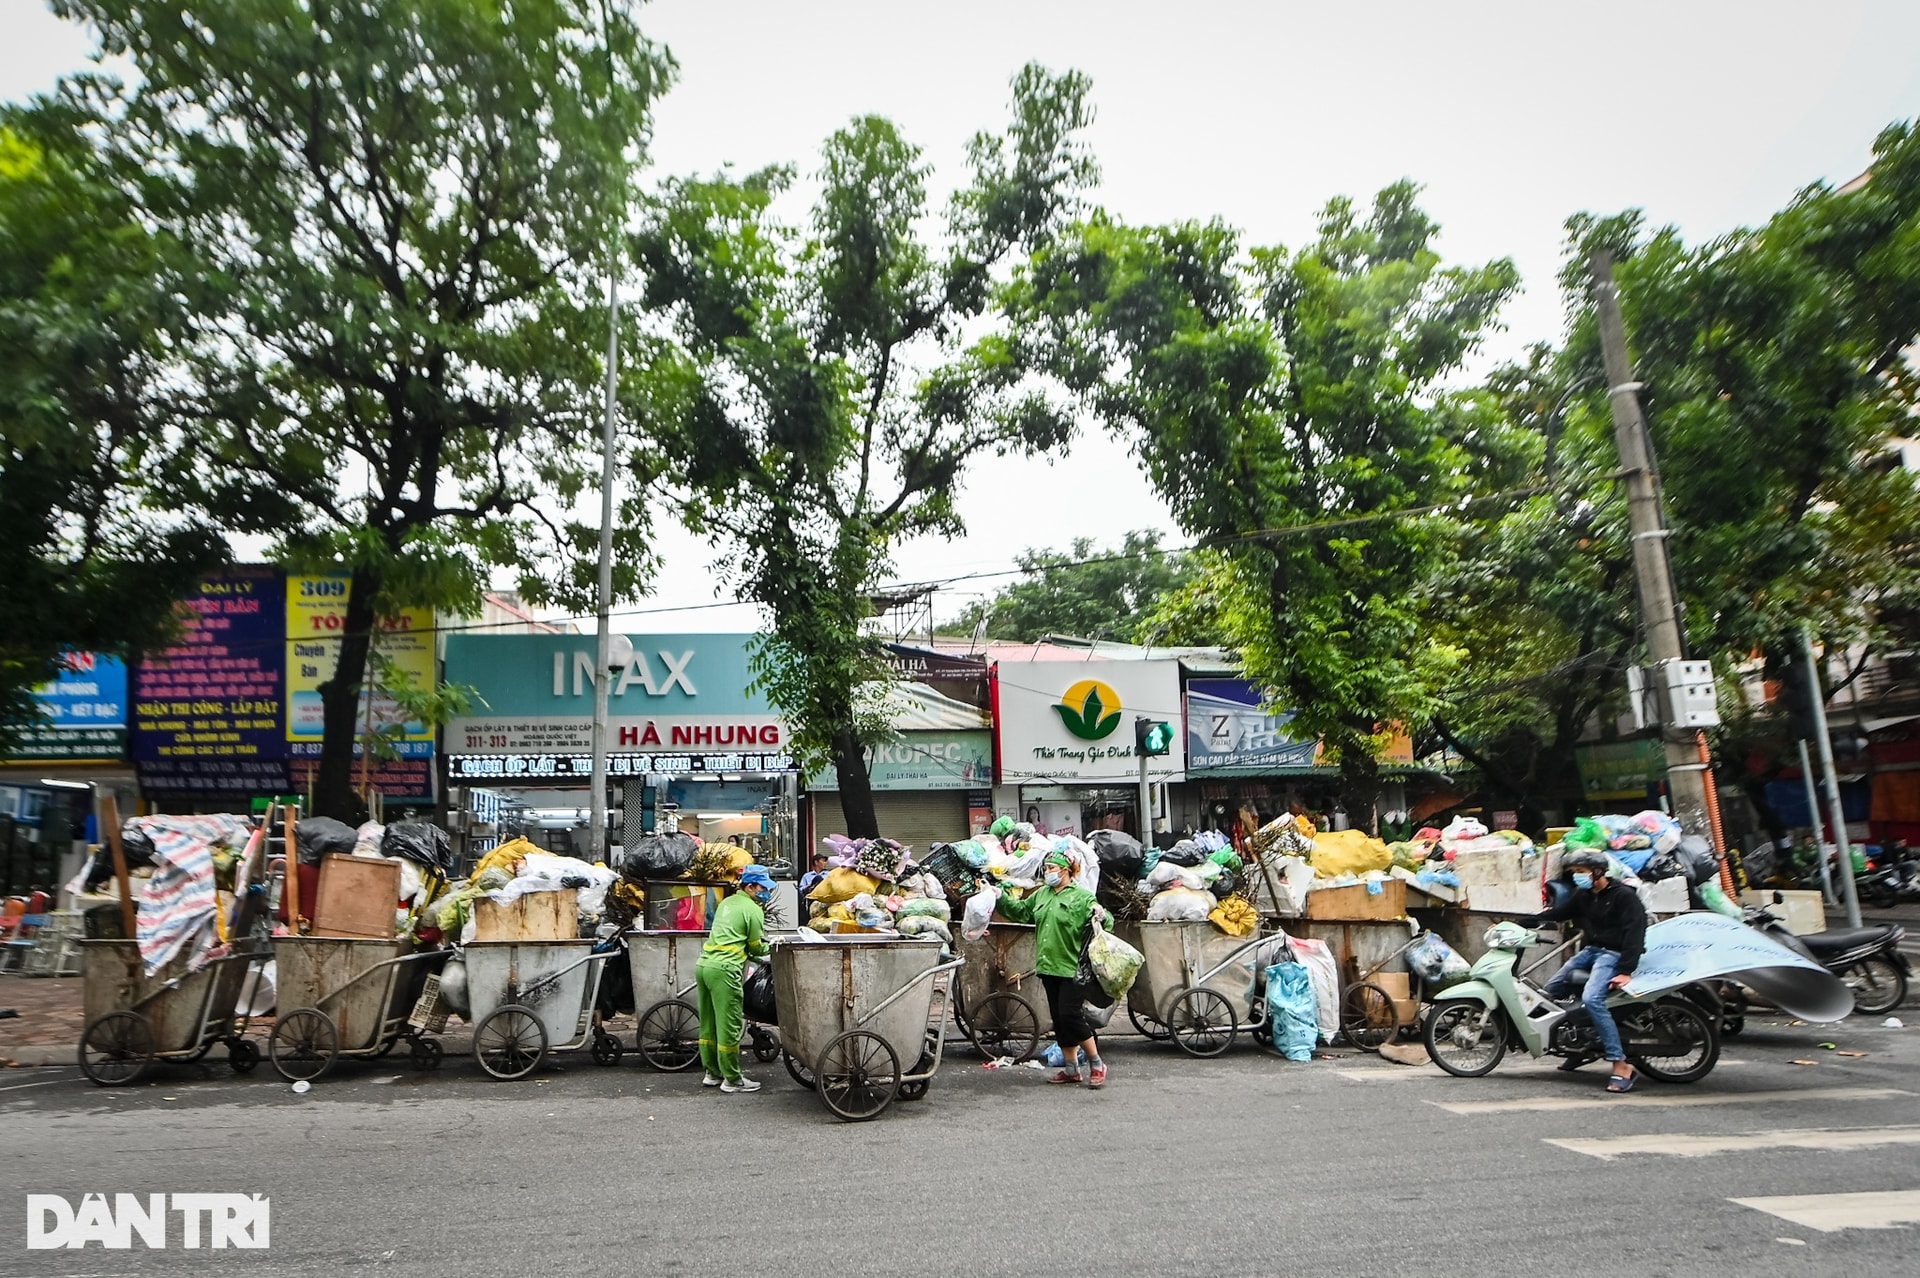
(679, 699)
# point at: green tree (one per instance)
(87, 315)
(1082, 591)
(832, 381)
(1290, 408)
(399, 217)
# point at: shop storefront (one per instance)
(50, 780)
(1065, 734)
(689, 747)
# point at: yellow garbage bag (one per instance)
(506, 857)
(738, 859)
(1337, 852)
(1235, 917)
(842, 884)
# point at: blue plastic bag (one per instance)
(1290, 1010)
(1054, 1058)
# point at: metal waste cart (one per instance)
(349, 996)
(134, 1019)
(852, 1008)
(1198, 986)
(998, 1001)
(528, 998)
(668, 1037)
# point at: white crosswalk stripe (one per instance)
(1692, 1145)
(1637, 1099)
(1830, 1213)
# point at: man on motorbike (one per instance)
(1613, 923)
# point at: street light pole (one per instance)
(603, 651)
(1659, 613)
(1836, 814)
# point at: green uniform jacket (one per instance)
(1060, 925)
(734, 931)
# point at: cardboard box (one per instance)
(537, 916)
(1803, 912)
(1505, 898)
(1357, 904)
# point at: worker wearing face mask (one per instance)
(733, 938)
(1613, 924)
(1062, 915)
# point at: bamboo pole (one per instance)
(292, 876)
(110, 817)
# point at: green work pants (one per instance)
(722, 1021)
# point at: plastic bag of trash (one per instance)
(921, 925)
(453, 987)
(366, 840)
(657, 856)
(1185, 852)
(1435, 962)
(1715, 898)
(1119, 854)
(417, 841)
(1169, 874)
(1114, 962)
(1181, 905)
(928, 908)
(1054, 1058)
(323, 836)
(757, 995)
(979, 913)
(1290, 1011)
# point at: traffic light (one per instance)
(1152, 736)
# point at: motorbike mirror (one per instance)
(1779, 899)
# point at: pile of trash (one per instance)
(679, 866)
(1197, 879)
(513, 870)
(873, 886)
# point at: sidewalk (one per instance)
(46, 1030)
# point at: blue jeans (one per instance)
(1598, 966)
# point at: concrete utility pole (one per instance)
(1659, 611)
(1836, 815)
(603, 649)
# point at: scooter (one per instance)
(1892, 878)
(1866, 959)
(1471, 1026)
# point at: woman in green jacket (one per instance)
(1062, 915)
(733, 938)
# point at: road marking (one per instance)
(20, 1087)
(1693, 1146)
(1637, 1100)
(1830, 1213)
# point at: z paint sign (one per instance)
(1228, 727)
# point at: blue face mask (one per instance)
(1581, 879)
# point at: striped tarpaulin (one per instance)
(177, 909)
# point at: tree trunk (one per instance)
(856, 787)
(333, 792)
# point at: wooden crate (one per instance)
(356, 896)
(537, 916)
(1358, 904)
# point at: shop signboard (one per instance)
(952, 760)
(1620, 769)
(680, 705)
(209, 714)
(1229, 727)
(85, 714)
(1072, 721)
(316, 614)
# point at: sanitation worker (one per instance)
(733, 938)
(1062, 915)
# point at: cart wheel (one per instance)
(913, 1089)
(859, 1075)
(510, 1042)
(1149, 1026)
(797, 1069)
(426, 1053)
(669, 1037)
(1202, 1022)
(766, 1048)
(1367, 1017)
(116, 1048)
(606, 1049)
(1005, 1025)
(304, 1044)
(243, 1054)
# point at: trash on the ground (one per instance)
(1831, 1046)
(1853, 1053)
(302, 1087)
(1000, 1062)
(1803, 1062)
(1892, 1022)
(1405, 1053)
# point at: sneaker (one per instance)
(1099, 1078)
(744, 1085)
(1065, 1076)
(711, 1080)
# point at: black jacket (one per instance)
(1613, 920)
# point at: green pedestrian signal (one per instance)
(1152, 737)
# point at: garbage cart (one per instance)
(998, 1001)
(668, 1037)
(1199, 986)
(352, 997)
(135, 1019)
(528, 998)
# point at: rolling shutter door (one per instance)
(917, 818)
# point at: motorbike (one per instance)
(1893, 877)
(1668, 1033)
(1867, 959)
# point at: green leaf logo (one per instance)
(1090, 710)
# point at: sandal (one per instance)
(1623, 1082)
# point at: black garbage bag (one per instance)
(323, 836)
(1185, 852)
(1664, 865)
(657, 856)
(1697, 854)
(417, 841)
(133, 841)
(757, 996)
(1121, 856)
(1226, 885)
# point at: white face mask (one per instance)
(1055, 878)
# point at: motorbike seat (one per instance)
(1835, 940)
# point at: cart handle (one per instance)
(897, 995)
(541, 985)
(395, 961)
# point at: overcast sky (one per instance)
(1512, 115)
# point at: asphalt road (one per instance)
(1240, 1165)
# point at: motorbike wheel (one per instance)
(1672, 1040)
(1466, 1039)
(1880, 894)
(1878, 985)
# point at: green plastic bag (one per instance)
(1587, 833)
(1227, 859)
